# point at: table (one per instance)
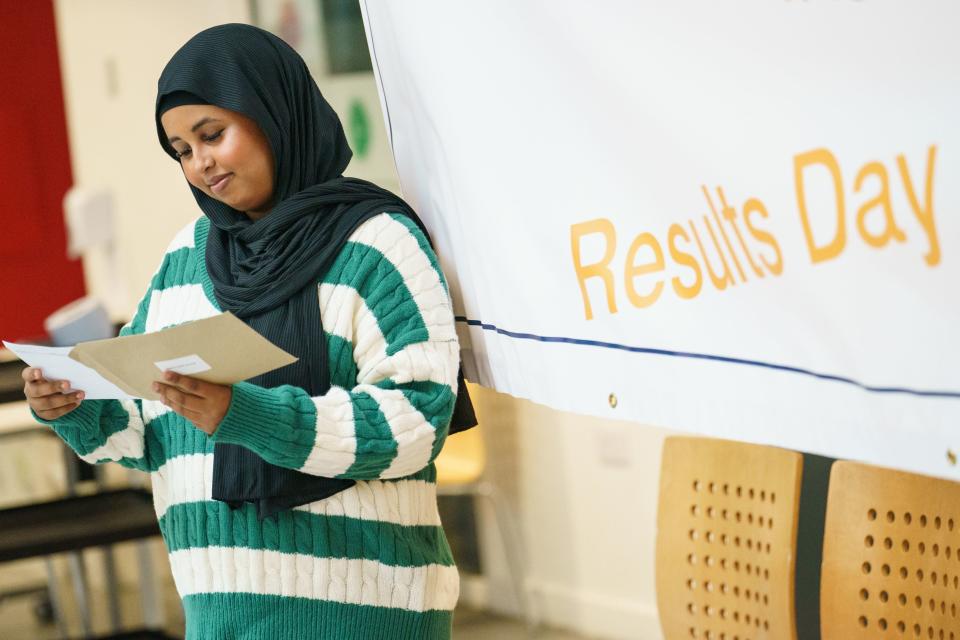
(39, 529)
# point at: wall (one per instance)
(111, 54)
(584, 491)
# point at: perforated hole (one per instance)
(726, 538)
(912, 549)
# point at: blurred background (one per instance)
(555, 530)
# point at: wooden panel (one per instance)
(891, 555)
(726, 539)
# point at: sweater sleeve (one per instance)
(101, 431)
(386, 298)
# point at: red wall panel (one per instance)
(36, 277)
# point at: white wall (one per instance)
(584, 489)
(111, 55)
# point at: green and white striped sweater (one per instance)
(371, 562)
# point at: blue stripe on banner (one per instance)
(707, 356)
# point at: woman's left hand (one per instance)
(202, 403)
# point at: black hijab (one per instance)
(267, 271)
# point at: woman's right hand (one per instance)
(47, 397)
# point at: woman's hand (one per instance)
(204, 404)
(47, 397)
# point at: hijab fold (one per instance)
(267, 271)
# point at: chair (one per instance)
(726, 538)
(891, 555)
(460, 472)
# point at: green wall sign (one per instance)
(358, 128)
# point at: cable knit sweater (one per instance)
(371, 562)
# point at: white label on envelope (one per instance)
(185, 365)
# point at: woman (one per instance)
(300, 504)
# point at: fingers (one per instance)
(178, 400)
(186, 384)
(57, 401)
(53, 414)
(34, 381)
(202, 403)
(36, 386)
(44, 387)
(47, 397)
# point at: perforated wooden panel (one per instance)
(891, 555)
(726, 534)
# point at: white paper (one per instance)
(56, 364)
(186, 365)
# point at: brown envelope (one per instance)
(220, 349)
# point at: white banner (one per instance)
(739, 219)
